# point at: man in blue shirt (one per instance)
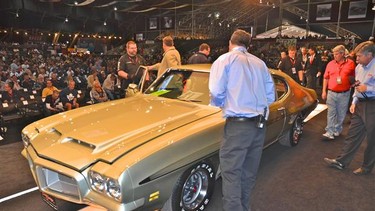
(242, 86)
(362, 123)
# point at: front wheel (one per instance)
(194, 188)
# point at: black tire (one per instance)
(194, 188)
(293, 135)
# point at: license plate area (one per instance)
(50, 200)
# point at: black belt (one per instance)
(339, 91)
(242, 119)
(361, 99)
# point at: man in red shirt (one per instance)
(336, 80)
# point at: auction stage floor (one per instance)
(289, 179)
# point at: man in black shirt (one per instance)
(201, 57)
(53, 103)
(128, 64)
(291, 65)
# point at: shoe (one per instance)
(336, 134)
(329, 136)
(334, 163)
(361, 171)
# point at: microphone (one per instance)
(355, 83)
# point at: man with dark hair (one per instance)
(53, 103)
(362, 123)
(313, 68)
(291, 65)
(201, 57)
(242, 86)
(171, 57)
(128, 65)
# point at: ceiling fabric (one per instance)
(289, 31)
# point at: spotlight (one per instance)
(66, 20)
(76, 3)
(373, 8)
(115, 8)
(105, 23)
(17, 15)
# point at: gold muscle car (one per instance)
(137, 152)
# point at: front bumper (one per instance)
(70, 185)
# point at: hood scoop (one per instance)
(79, 142)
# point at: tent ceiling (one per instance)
(289, 31)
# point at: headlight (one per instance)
(105, 185)
(25, 140)
(113, 188)
(97, 181)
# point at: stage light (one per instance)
(115, 8)
(66, 20)
(105, 23)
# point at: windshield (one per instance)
(183, 85)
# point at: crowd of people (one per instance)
(62, 80)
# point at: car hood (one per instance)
(109, 130)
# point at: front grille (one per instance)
(58, 183)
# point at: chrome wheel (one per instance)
(195, 189)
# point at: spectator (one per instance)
(97, 93)
(10, 95)
(109, 85)
(14, 80)
(128, 65)
(49, 89)
(56, 81)
(53, 103)
(291, 65)
(91, 78)
(282, 56)
(313, 68)
(201, 57)
(69, 96)
(336, 80)
(40, 84)
(171, 57)
(27, 82)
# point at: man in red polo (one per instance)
(336, 90)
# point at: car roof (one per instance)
(207, 68)
(194, 67)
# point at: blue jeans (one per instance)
(337, 104)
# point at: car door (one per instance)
(277, 117)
